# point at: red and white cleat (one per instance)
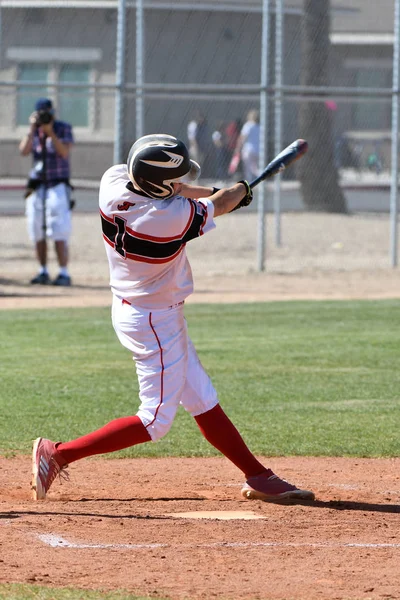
(269, 487)
(47, 463)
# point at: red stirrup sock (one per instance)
(219, 430)
(116, 435)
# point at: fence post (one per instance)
(263, 131)
(139, 67)
(119, 82)
(395, 136)
(279, 13)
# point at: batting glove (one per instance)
(246, 200)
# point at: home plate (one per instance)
(221, 515)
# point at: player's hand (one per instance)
(247, 199)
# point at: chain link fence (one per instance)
(316, 69)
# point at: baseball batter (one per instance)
(149, 211)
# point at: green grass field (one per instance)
(297, 378)
(35, 592)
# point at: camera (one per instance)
(44, 117)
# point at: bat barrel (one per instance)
(302, 146)
(282, 160)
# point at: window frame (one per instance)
(60, 57)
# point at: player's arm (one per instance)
(193, 191)
(229, 199)
(224, 200)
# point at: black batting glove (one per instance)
(246, 200)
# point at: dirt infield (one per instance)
(118, 523)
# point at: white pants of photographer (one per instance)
(57, 225)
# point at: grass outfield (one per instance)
(34, 592)
(297, 378)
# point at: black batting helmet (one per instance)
(156, 161)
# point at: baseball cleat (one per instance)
(270, 488)
(47, 463)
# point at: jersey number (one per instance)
(119, 238)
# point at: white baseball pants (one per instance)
(168, 368)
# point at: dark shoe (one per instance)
(62, 280)
(41, 279)
(270, 488)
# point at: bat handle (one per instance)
(255, 182)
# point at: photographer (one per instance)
(48, 204)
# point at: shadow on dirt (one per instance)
(332, 505)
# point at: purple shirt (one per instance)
(57, 168)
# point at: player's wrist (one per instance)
(248, 195)
(246, 185)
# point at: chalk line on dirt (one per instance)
(56, 541)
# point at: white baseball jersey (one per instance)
(145, 241)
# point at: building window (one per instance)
(71, 103)
(372, 115)
(27, 96)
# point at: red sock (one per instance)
(116, 435)
(219, 430)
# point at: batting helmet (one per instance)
(156, 161)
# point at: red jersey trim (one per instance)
(146, 259)
(153, 238)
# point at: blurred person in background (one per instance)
(48, 203)
(232, 132)
(221, 153)
(199, 141)
(248, 145)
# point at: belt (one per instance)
(172, 305)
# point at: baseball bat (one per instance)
(282, 160)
